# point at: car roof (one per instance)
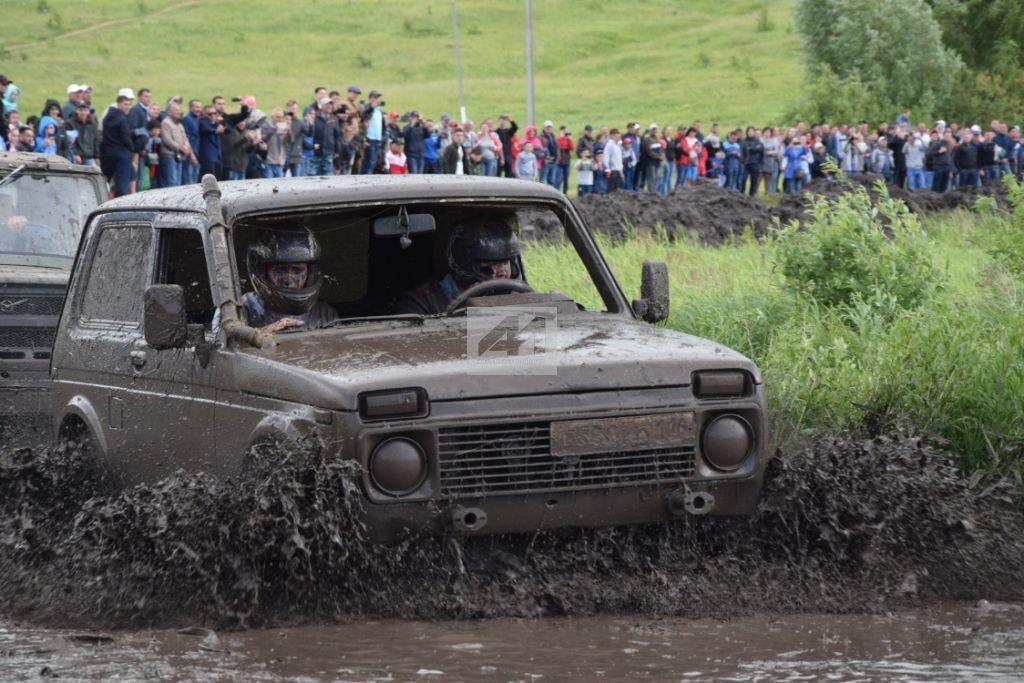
(241, 197)
(51, 162)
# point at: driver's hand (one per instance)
(282, 324)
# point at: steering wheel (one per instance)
(484, 288)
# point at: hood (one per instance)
(32, 275)
(586, 352)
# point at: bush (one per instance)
(853, 253)
(1006, 245)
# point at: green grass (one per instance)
(604, 62)
(952, 367)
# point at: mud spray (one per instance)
(846, 525)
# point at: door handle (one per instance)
(138, 358)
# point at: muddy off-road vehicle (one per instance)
(536, 402)
(44, 203)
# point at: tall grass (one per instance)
(952, 366)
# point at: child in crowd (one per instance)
(585, 174)
(526, 163)
(600, 171)
(395, 159)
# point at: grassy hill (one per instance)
(596, 61)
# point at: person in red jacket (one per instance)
(566, 146)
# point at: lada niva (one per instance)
(534, 397)
(44, 202)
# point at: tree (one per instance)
(987, 34)
(893, 46)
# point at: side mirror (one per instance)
(164, 317)
(652, 306)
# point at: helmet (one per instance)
(482, 239)
(284, 245)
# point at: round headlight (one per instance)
(727, 442)
(398, 466)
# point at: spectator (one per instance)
(431, 150)
(211, 132)
(753, 158)
(507, 129)
(796, 165)
(175, 150)
(526, 162)
(190, 122)
(600, 170)
(914, 151)
(584, 174)
(395, 159)
(277, 133)
(773, 151)
(453, 158)
(651, 157)
(549, 171)
(326, 134)
(490, 150)
(733, 154)
(854, 155)
(941, 156)
(67, 112)
(413, 135)
(116, 148)
(566, 147)
(150, 157)
(26, 140)
(668, 163)
(374, 119)
(882, 160)
(988, 158)
(46, 141)
(614, 158)
(965, 156)
(86, 147)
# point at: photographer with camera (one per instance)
(374, 118)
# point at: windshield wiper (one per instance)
(406, 317)
(12, 175)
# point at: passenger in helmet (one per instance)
(481, 248)
(284, 269)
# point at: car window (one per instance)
(117, 276)
(181, 260)
(44, 214)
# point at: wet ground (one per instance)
(837, 575)
(947, 642)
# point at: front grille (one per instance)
(14, 304)
(483, 460)
(26, 337)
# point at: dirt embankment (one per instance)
(846, 525)
(715, 215)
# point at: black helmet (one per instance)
(482, 239)
(284, 245)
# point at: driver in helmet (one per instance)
(479, 249)
(284, 269)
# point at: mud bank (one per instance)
(715, 215)
(844, 526)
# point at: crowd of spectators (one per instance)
(141, 143)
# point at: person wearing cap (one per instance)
(549, 171)
(74, 97)
(413, 137)
(395, 160)
(585, 142)
(116, 148)
(326, 135)
(374, 119)
(86, 147)
(392, 131)
(566, 147)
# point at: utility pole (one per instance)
(529, 62)
(458, 62)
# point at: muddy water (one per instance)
(947, 642)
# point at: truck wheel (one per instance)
(76, 437)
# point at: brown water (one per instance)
(948, 642)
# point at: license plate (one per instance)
(621, 434)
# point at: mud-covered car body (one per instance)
(609, 423)
(44, 202)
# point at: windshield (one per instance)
(42, 215)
